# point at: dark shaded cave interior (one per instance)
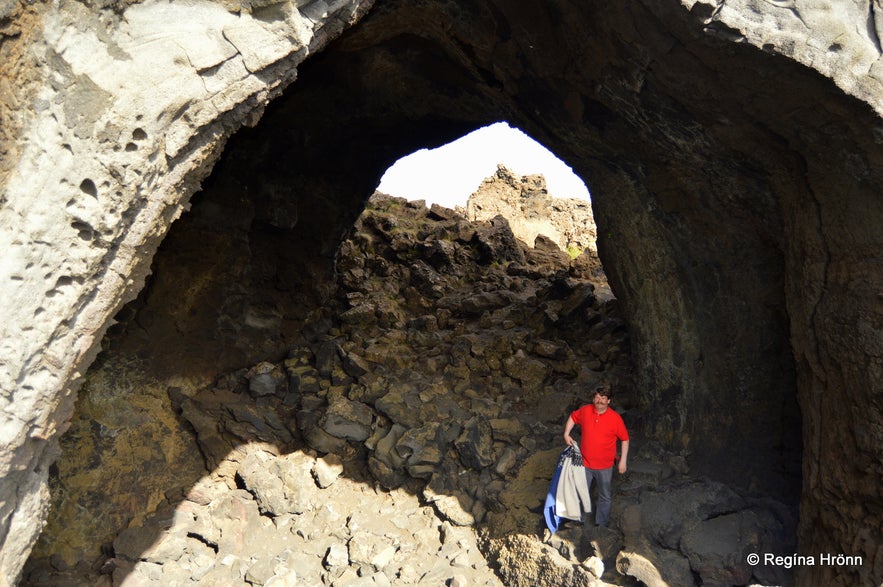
(686, 196)
(702, 157)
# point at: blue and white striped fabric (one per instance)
(568, 496)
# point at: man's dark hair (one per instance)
(604, 389)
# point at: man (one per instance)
(600, 427)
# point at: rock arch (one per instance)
(733, 155)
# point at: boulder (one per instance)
(266, 379)
(277, 483)
(327, 469)
(475, 444)
(348, 419)
(657, 569)
(496, 243)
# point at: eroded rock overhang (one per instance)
(736, 193)
(111, 116)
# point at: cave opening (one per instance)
(287, 191)
(736, 169)
(222, 284)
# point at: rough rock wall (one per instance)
(110, 118)
(693, 173)
(736, 189)
(532, 211)
(443, 362)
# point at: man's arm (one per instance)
(623, 460)
(567, 428)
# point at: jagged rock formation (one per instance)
(441, 368)
(110, 116)
(531, 211)
(732, 152)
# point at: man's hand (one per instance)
(624, 458)
(567, 428)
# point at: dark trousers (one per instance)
(603, 477)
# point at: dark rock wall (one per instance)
(734, 191)
(688, 212)
(834, 301)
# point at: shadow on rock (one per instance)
(411, 435)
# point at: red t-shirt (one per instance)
(598, 435)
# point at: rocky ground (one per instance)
(411, 436)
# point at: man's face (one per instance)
(601, 402)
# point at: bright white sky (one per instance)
(449, 174)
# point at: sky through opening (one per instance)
(449, 174)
